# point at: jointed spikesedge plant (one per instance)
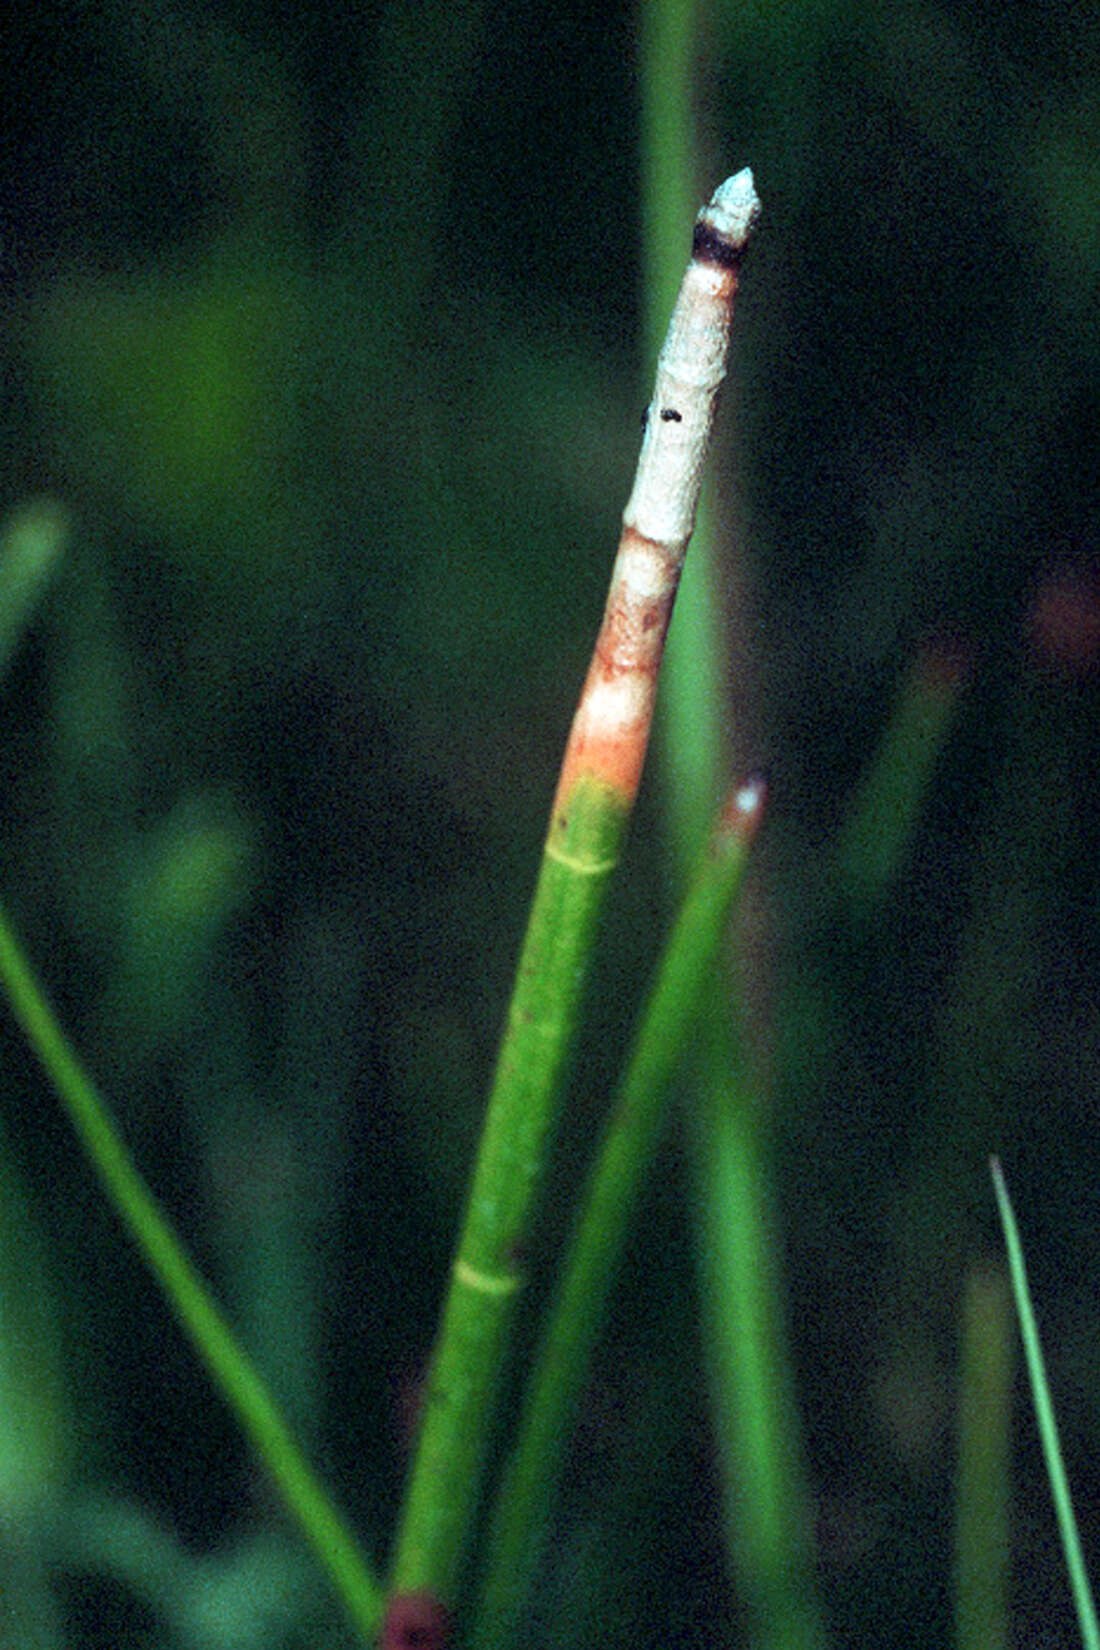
(467, 1551)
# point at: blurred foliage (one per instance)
(320, 329)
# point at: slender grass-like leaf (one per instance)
(1044, 1415)
(232, 1372)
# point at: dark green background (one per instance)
(323, 326)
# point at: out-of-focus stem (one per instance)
(768, 1510)
(983, 1475)
(887, 807)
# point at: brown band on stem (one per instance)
(611, 727)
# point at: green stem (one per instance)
(581, 854)
(523, 1502)
(667, 40)
(233, 1374)
(1044, 1414)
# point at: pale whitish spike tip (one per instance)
(734, 208)
(751, 794)
(745, 808)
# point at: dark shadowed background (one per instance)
(322, 327)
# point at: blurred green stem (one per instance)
(694, 757)
(753, 1402)
(32, 543)
(233, 1374)
(887, 807)
(983, 1490)
(743, 1308)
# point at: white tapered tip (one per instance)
(734, 208)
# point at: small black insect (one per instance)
(669, 415)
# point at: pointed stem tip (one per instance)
(734, 208)
(745, 806)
